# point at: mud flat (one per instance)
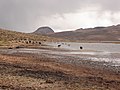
(54, 68)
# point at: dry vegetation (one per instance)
(10, 37)
(28, 71)
(33, 72)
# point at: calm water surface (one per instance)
(101, 52)
(106, 47)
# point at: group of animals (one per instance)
(59, 45)
(29, 41)
(25, 41)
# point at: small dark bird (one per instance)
(68, 44)
(39, 42)
(59, 45)
(81, 47)
(30, 41)
(26, 42)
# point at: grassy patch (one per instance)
(7, 36)
(4, 43)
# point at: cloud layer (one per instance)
(28, 15)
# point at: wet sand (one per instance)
(52, 69)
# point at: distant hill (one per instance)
(44, 30)
(7, 37)
(111, 33)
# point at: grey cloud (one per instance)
(23, 14)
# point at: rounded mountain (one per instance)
(44, 30)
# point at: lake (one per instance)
(102, 52)
(106, 47)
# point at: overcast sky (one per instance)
(60, 15)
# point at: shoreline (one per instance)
(52, 71)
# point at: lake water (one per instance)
(105, 47)
(102, 52)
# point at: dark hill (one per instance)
(44, 30)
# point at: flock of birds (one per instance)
(59, 45)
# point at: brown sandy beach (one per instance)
(42, 71)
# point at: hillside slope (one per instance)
(7, 37)
(111, 33)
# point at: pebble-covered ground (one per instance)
(55, 69)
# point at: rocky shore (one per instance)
(31, 69)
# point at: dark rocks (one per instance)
(10, 48)
(17, 47)
(49, 81)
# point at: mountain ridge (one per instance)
(110, 33)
